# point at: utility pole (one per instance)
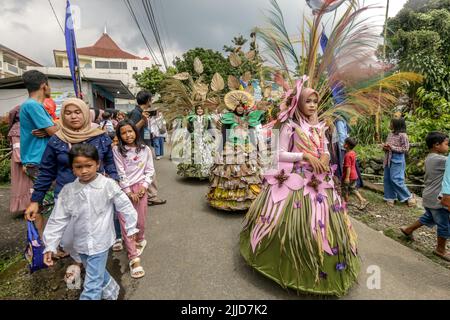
(378, 114)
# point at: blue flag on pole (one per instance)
(71, 47)
(337, 88)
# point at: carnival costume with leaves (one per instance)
(198, 149)
(298, 232)
(236, 176)
(194, 142)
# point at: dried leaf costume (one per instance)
(194, 138)
(236, 175)
(199, 148)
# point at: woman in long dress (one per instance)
(21, 184)
(236, 177)
(297, 231)
(199, 147)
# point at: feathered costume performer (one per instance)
(298, 232)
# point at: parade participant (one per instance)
(199, 147)
(75, 129)
(235, 177)
(158, 130)
(134, 162)
(350, 174)
(297, 231)
(20, 183)
(140, 116)
(178, 137)
(107, 125)
(87, 204)
(395, 148)
(436, 214)
(36, 128)
(50, 106)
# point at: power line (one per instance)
(151, 18)
(56, 16)
(166, 33)
(163, 46)
(152, 26)
(133, 15)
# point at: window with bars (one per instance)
(111, 65)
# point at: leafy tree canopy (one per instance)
(419, 40)
(151, 78)
(213, 61)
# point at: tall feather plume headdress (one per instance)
(349, 79)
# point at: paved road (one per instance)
(193, 254)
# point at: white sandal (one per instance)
(73, 275)
(141, 246)
(137, 272)
(118, 245)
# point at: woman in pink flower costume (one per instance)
(297, 231)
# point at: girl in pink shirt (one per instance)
(134, 162)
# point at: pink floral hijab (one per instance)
(295, 98)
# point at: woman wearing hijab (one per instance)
(21, 184)
(75, 128)
(297, 231)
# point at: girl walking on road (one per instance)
(134, 162)
(87, 207)
(395, 148)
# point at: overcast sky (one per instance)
(30, 28)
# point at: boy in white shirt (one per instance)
(88, 205)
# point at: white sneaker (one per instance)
(158, 158)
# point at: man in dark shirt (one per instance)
(140, 114)
(140, 117)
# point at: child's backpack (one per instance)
(34, 252)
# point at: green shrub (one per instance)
(5, 171)
(365, 132)
(432, 115)
(368, 152)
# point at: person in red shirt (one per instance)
(350, 176)
(50, 106)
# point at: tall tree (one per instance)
(151, 78)
(419, 40)
(213, 61)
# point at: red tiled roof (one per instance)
(105, 47)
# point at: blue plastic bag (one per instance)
(34, 252)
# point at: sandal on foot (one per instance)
(390, 203)
(136, 272)
(363, 205)
(407, 235)
(141, 247)
(73, 274)
(412, 203)
(118, 245)
(444, 256)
